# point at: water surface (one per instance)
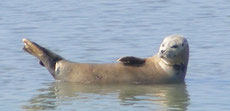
(102, 31)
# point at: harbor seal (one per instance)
(168, 65)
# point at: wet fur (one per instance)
(129, 69)
(47, 58)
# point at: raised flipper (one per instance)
(130, 60)
(41, 63)
(47, 58)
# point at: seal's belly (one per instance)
(109, 73)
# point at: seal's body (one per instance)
(169, 65)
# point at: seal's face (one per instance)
(174, 50)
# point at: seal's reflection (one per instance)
(167, 96)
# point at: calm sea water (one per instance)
(101, 31)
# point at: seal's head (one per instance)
(174, 50)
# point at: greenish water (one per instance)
(71, 96)
(102, 31)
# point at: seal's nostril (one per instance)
(162, 51)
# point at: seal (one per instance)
(167, 66)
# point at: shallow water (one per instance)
(102, 31)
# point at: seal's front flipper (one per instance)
(130, 60)
(47, 58)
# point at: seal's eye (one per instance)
(163, 45)
(174, 46)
